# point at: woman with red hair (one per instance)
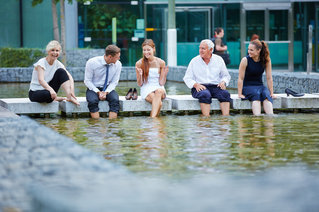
(151, 75)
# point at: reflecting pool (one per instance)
(20, 90)
(192, 146)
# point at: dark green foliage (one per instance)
(36, 2)
(19, 57)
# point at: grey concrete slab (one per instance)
(6, 113)
(68, 107)
(245, 104)
(142, 105)
(25, 106)
(187, 102)
(305, 102)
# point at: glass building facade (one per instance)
(284, 24)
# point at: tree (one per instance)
(56, 32)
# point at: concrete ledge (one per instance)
(68, 107)
(142, 105)
(187, 102)
(305, 102)
(246, 104)
(25, 106)
(5, 113)
(172, 102)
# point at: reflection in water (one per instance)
(182, 146)
(256, 140)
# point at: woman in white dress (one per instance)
(151, 75)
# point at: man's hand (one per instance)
(222, 85)
(102, 95)
(199, 87)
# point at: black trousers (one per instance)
(93, 101)
(60, 76)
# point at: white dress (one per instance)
(152, 83)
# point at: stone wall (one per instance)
(78, 57)
(298, 81)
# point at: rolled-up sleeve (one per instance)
(189, 75)
(88, 77)
(115, 80)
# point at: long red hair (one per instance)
(145, 62)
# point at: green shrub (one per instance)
(19, 57)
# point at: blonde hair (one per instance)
(53, 44)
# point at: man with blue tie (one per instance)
(102, 74)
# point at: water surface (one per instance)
(20, 90)
(191, 146)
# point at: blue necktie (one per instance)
(106, 77)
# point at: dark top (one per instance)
(254, 72)
(218, 41)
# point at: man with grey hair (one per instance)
(208, 77)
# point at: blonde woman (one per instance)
(48, 75)
(151, 75)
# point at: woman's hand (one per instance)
(273, 96)
(139, 71)
(165, 70)
(53, 94)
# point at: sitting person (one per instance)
(48, 75)
(151, 75)
(250, 84)
(102, 74)
(208, 77)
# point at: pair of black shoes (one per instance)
(293, 93)
(131, 94)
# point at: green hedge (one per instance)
(19, 57)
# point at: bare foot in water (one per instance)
(59, 99)
(73, 100)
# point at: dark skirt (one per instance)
(256, 93)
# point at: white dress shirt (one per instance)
(212, 73)
(95, 72)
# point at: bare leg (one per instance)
(95, 115)
(112, 115)
(67, 88)
(224, 106)
(268, 108)
(256, 107)
(205, 109)
(156, 100)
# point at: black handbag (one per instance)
(226, 58)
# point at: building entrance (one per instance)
(272, 23)
(193, 24)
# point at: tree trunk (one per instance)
(55, 21)
(62, 20)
